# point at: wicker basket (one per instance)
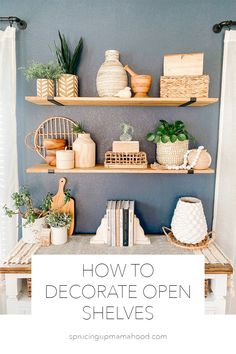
(29, 287)
(125, 159)
(171, 153)
(184, 86)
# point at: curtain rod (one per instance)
(21, 24)
(219, 26)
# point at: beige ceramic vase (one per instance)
(85, 151)
(111, 77)
(45, 87)
(204, 160)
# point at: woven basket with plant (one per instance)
(172, 141)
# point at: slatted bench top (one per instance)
(215, 261)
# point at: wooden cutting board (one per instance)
(58, 204)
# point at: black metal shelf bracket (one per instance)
(51, 171)
(191, 171)
(51, 99)
(188, 103)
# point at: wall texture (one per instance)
(143, 31)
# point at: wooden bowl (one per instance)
(54, 144)
(141, 84)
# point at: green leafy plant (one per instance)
(23, 205)
(78, 128)
(36, 70)
(57, 219)
(169, 132)
(67, 59)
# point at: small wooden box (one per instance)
(184, 86)
(183, 64)
(125, 146)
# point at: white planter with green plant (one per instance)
(172, 140)
(45, 74)
(67, 84)
(33, 219)
(59, 223)
(84, 148)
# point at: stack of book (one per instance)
(120, 222)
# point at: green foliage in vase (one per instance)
(78, 128)
(67, 59)
(36, 70)
(169, 132)
(57, 219)
(23, 205)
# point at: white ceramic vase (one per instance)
(31, 232)
(58, 235)
(85, 151)
(111, 77)
(189, 223)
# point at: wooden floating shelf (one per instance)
(44, 168)
(113, 101)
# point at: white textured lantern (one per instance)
(189, 223)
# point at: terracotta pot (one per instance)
(140, 84)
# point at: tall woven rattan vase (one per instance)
(189, 223)
(111, 77)
(67, 86)
(45, 87)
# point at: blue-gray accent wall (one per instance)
(143, 31)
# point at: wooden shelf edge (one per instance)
(44, 168)
(115, 101)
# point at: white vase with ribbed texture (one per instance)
(189, 223)
(85, 151)
(111, 77)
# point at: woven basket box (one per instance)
(184, 86)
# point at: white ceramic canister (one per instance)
(31, 232)
(85, 151)
(111, 77)
(65, 159)
(189, 223)
(59, 235)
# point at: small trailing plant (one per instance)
(169, 132)
(57, 219)
(78, 128)
(67, 59)
(23, 205)
(36, 70)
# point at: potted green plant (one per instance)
(172, 140)
(67, 84)
(59, 223)
(45, 74)
(33, 219)
(84, 148)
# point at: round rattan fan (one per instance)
(52, 128)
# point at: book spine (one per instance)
(121, 224)
(125, 227)
(131, 224)
(113, 223)
(108, 224)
